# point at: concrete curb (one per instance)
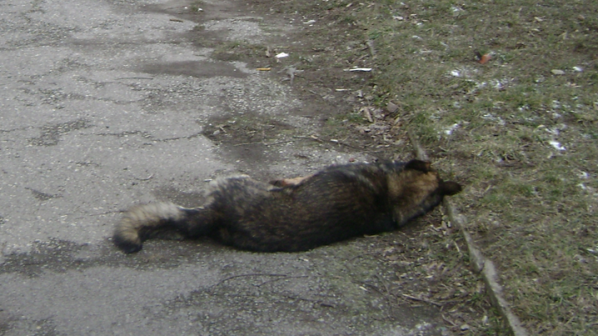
(480, 264)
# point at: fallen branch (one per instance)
(422, 299)
(255, 275)
(489, 274)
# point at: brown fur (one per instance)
(298, 214)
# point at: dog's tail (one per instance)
(149, 220)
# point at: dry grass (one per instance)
(520, 130)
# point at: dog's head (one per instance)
(416, 189)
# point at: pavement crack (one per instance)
(16, 129)
(50, 134)
(42, 196)
(149, 136)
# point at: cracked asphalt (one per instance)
(105, 104)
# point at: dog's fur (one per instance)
(298, 214)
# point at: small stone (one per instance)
(464, 327)
(378, 114)
(557, 72)
(392, 107)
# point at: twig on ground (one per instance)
(422, 300)
(254, 275)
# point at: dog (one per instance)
(289, 215)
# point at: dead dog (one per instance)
(298, 214)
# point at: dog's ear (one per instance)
(423, 166)
(450, 188)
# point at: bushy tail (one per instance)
(145, 221)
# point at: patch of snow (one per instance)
(450, 130)
(557, 145)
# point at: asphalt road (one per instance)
(104, 105)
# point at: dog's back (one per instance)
(335, 204)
